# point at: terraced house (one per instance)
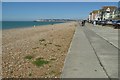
(94, 15)
(107, 12)
(117, 12)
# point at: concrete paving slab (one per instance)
(108, 33)
(81, 61)
(107, 53)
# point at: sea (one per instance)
(23, 24)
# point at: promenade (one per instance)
(108, 33)
(92, 54)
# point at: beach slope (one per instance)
(36, 52)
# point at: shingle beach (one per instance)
(23, 46)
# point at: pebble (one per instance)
(26, 63)
(19, 66)
(10, 52)
(55, 77)
(10, 65)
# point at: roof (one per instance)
(111, 7)
(95, 11)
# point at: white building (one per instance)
(108, 12)
(94, 15)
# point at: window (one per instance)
(108, 11)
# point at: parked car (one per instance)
(99, 22)
(114, 22)
(109, 22)
(103, 23)
(117, 25)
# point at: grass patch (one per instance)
(28, 57)
(30, 74)
(40, 62)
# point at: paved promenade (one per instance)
(90, 55)
(108, 33)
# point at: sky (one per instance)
(60, 0)
(0, 12)
(29, 11)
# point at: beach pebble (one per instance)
(10, 52)
(10, 65)
(28, 38)
(55, 77)
(19, 66)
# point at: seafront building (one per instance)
(94, 15)
(117, 13)
(108, 12)
(105, 13)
